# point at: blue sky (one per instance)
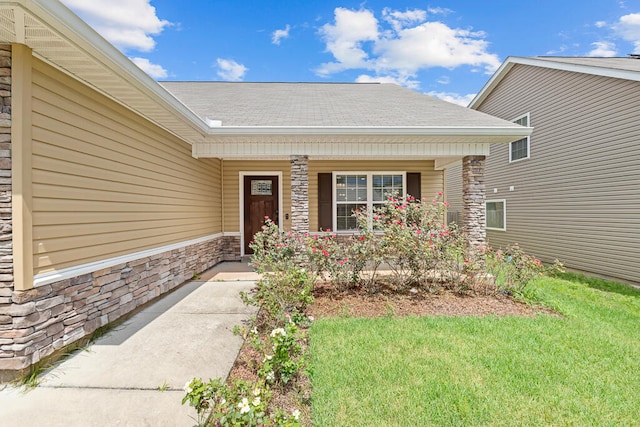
(447, 49)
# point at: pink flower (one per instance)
(266, 217)
(439, 193)
(325, 253)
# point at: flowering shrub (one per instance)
(406, 236)
(282, 355)
(286, 286)
(513, 268)
(409, 236)
(238, 404)
(281, 351)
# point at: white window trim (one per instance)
(369, 203)
(504, 213)
(528, 138)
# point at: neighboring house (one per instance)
(571, 190)
(115, 191)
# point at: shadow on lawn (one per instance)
(600, 284)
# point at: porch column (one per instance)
(473, 197)
(300, 194)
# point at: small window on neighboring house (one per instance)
(496, 214)
(519, 150)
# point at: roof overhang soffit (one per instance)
(355, 142)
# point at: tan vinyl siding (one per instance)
(108, 183)
(578, 197)
(453, 193)
(431, 180)
(231, 206)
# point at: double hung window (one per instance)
(520, 150)
(363, 191)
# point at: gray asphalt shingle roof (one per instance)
(323, 104)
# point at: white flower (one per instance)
(268, 357)
(244, 406)
(187, 387)
(256, 401)
(278, 331)
(256, 391)
(296, 414)
(223, 400)
(271, 376)
(254, 331)
(311, 319)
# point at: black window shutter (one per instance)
(325, 201)
(413, 184)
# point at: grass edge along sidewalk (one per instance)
(580, 369)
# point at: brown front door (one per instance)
(260, 201)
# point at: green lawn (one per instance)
(580, 370)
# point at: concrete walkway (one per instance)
(119, 380)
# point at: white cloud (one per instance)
(278, 35)
(127, 24)
(561, 49)
(409, 43)
(344, 39)
(443, 80)
(434, 44)
(398, 80)
(600, 24)
(628, 28)
(439, 10)
(454, 98)
(603, 48)
(230, 70)
(400, 20)
(154, 70)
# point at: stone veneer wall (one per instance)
(473, 197)
(6, 247)
(300, 193)
(39, 321)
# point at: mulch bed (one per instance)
(359, 303)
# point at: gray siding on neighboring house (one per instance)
(578, 197)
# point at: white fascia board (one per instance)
(551, 64)
(517, 131)
(70, 27)
(548, 62)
